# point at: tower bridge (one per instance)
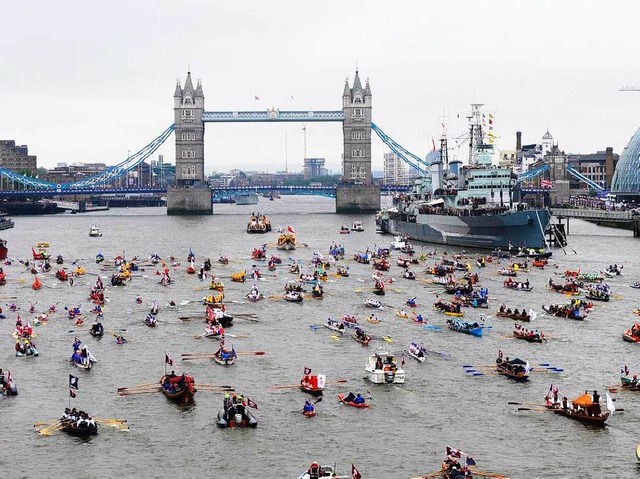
(192, 196)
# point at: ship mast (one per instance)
(475, 131)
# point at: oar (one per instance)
(513, 403)
(214, 386)
(228, 390)
(40, 424)
(251, 353)
(143, 388)
(138, 386)
(109, 421)
(489, 474)
(129, 393)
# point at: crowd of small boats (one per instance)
(453, 276)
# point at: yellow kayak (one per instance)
(638, 452)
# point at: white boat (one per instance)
(335, 325)
(316, 471)
(94, 231)
(382, 368)
(417, 352)
(357, 226)
(399, 242)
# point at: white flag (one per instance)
(610, 405)
(532, 314)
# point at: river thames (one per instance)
(403, 433)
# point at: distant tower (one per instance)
(188, 106)
(547, 143)
(356, 128)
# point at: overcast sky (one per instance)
(84, 81)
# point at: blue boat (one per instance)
(466, 327)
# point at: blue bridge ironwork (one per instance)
(329, 191)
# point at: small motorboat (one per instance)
(357, 226)
(382, 368)
(94, 231)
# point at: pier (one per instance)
(627, 220)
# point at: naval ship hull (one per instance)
(518, 229)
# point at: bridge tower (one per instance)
(357, 191)
(190, 195)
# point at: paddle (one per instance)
(251, 353)
(293, 386)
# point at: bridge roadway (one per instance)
(616, 219)
(329, 191)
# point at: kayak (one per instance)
(351, 403)
(309, 413)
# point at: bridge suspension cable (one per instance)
(108, 175)
(412, 160)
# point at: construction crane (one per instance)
(630, 88)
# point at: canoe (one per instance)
(364, 341)
(415, 356)
(627, 336)
(351, 403)
(515, 317)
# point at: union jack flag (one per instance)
(546, 184)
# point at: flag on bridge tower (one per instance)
(256, 97)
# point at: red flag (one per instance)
(168, 359)
(8, 377)
(252, 404)
(355, 474)
(290, 229)
(72, 393)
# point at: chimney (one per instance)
(518, 140)
(609, 168)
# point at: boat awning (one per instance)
(517, 361)
(585, 400)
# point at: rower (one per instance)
(308, 407)
(359, 399)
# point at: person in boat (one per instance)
(20, 348)
(76, 357)
(595, 407)
(76, 343)
(379, 364)
(502, 308)
(360, 334)
(358, 399)
(97, 328)
(350, 397)
(500, 358)
(308, 407)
